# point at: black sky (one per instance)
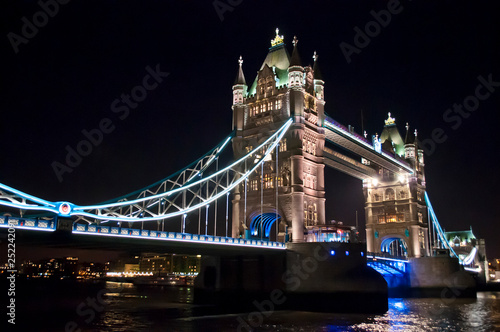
(66, 77)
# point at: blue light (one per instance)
(362, 254)
(347, 253)
(332, 252)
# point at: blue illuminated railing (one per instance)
(171, 236)
(97, 230)
(387, 265)
(26, 223)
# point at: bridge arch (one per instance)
(268, 219)
(394, 245)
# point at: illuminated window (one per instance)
(278, 104)
(254, 185)
(381, 219)
(399, 217)
(268, 181)
(280, 181)
(391, 218)
(420, 217)
(282, 145)
(310, 214)
(421, 239)
(269, 106)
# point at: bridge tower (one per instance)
(396, 212)
(288, 192)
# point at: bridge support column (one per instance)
(440, 277)
(333, 277)
(369, 240)
(312, 276)
(416, 247)
(297, 217)
(237, 217)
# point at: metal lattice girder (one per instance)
(14, 198)
(167, 199)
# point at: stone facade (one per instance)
(396, 211)
(283, 89)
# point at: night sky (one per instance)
(69, 76)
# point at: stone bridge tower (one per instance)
(291, 189)
(396, 211)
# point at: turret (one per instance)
(295, 71)
(410, 152)
(319, 84)
(239, 97)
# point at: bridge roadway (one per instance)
(65, 234)
(340, 136)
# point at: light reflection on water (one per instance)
(481, 314)
(130, 308)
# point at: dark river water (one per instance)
(44, 305)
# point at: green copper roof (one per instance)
(392, 132)
(278, 60)
(462, 235)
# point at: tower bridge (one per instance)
(273, 195)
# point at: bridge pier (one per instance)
(440, 276)
(314, 276)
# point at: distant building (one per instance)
(91, 270)
(170, 263)
(66, 267)
(470, 250)
(334, 231)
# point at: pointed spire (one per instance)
(317, 72)
(240, 78)
(295, 60)
(407, 136)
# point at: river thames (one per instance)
(44, 305)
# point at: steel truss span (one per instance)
(192, 188)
